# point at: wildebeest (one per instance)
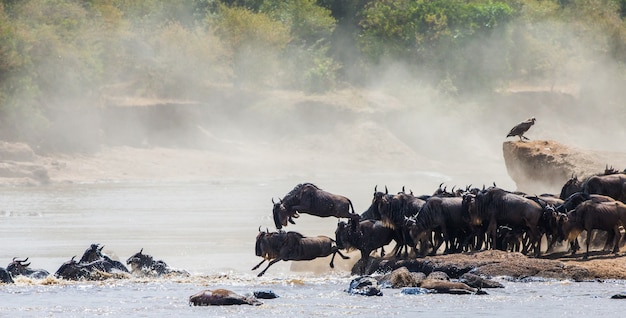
(293, 246)
(20, 267)
(366, 236)
(499, 207)
(589, 215)
(612, 185)
(5, 276)
(94, 253)
(221, 297)
(73, 270)
(442, 215)
(308, 198)
(145, 264)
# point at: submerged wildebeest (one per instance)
(145, 264)
(366, 236)
(589, 215)
(73, 270)
(20, 267)
(5, 276)
(94, 253)
(221, 297)
(293, 246)
(308, 198)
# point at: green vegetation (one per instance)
(57, 56)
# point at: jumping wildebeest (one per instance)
(499, 207)
(94, 253)
(366, 236)
(20, 267)
(308, 198)
(145, 264)
(588, 216)
(73, 270)
(293, 246)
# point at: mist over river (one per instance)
(208, 228)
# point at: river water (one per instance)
(208, 228)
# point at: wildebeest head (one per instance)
(570, 187)
(140, 261)
(18, 267)
(93, 253)
(281, 216)
(70, 270)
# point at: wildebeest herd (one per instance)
(465, 219)
(93, 265)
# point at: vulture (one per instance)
(521, 128)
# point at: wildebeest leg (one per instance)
(268, 266)
(586, 256)
(617, 236)
(259, 264)
(332, 259)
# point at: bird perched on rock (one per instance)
(521, 128)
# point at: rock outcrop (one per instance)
(543, 166)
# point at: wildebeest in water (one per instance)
(308, 198)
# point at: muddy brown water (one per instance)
(208, 228)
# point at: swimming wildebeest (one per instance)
(308, 198)
(20, 267)
(293, 246)
(366, 236)
(221, 297)
(5, 276)
(73, 270)
(145, 264)
(94, 253)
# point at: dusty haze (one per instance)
(397, 129)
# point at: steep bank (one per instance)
(541, 166)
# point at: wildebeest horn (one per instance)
(386, 191)
(376, 186)
(259, 228)
(402, 189)
(141, 251)
(73, 257)
(273, 201)
(100, 249)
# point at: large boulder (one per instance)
(543, 166)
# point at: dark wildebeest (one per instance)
(574, 185)
(308, 198)
(571, 203)
(612, 185)
(365, 236)
(499, 207)
(588, 216)
(20, 267)
(394, 210)
(94, 253)
(443, 215)
(145, 264)
(293, 246)
(73, 270)
(5, 276)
